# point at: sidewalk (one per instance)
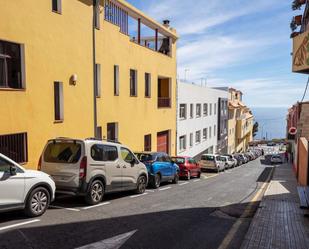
(279, 222)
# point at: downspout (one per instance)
(94, 69)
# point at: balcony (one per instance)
(164, 93)
(244, 125)
(164, 102)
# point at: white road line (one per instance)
(210, 198)
(19, 224)
(70, 209)
(183, 183)
(211, 176)
(134, 196)
(197, 180)
(148, 190)
(161, 189)
(99, 205)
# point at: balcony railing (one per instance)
(164, 102)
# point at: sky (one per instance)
(236, 43)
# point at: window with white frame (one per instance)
(197, 137)
(210, 132)
(191, 111)
(191, 139)
(198, 110)
(182, 111)
(205, 134)
(215, 128)
(205, 109)
(215, 108)
(182, 143)
(210, 109)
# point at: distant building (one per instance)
(240, 123)
(198, 119)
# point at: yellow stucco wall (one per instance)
(58, 46)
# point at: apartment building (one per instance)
(197, 119)
(240, 123)
(81, 69)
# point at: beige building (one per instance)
(240, 123)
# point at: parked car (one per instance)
(276, 159)
(244, 157)
(20, 188)
(240, 159)
(161, 168)
(212, 162)
(188, 167)
(91, 168)
(232, 160)
(228, 162)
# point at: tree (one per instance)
(255, 129)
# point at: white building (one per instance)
(197, 119)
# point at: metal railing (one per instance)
(164, 102)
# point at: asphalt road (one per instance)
(191, 214)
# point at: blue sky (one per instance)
(239, 43)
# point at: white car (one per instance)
(212, 162)
(229, 161)
(276, 159)
(30, 190)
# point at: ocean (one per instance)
(272, 122)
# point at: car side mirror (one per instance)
(133, 162)
(13, 170)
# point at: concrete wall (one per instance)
(195, 94)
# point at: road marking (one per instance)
(111, 243)
(161, 189)
(183, 183)
(211, 176)
(197, 180)
(70, 209)
(148, 190)
(231, 234)
(210, 198)
(134, 196)
(19, 224)
(98, 205)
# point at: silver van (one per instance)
(92, 168)
(212, 162)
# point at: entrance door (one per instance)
(163, 142)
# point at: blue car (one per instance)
(160, 166)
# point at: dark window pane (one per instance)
(62, 153)
(14, 146)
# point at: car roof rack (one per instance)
(103, 139)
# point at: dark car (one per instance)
(161, 168)
(188, 167)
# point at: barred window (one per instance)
(15, 147)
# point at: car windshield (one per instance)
(276, 156)
(63, 152)
(144, 157)
(208, 158)
(178, 160)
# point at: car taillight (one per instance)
(83, 168)
(40, 163)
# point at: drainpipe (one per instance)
(94, 69)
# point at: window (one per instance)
(116, 80)
(147, 85)
(99, 132)
(112, 131)
(5, 166)
(105, 153)
(205, 133)
(182, 143)
(58, 100)
(98, 80)
(191, 111)
(210, 132)
(215, 108)
(133, 83)
(191, 139)
(97, 15)
(215, 129)
(210, 109)
(126, 155)
(198, 137)
(56, 6)
(15, 146)
(147, 142)
(12, 65)
(183, 111)
(205, 109)
(198, 110)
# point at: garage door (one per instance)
(163, 142)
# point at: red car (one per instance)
(188, 167)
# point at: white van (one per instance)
(212, 162)
(92, 168)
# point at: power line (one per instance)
(305, 90)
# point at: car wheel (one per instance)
(37, 202)
(156, 181)
(189, 175)
(176, 178)
(141, 185)
(95, 193)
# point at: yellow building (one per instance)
(74, 69)
(240, 123)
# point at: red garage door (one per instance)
(163, 142)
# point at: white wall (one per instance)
(194, 94)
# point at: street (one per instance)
(191, 214)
